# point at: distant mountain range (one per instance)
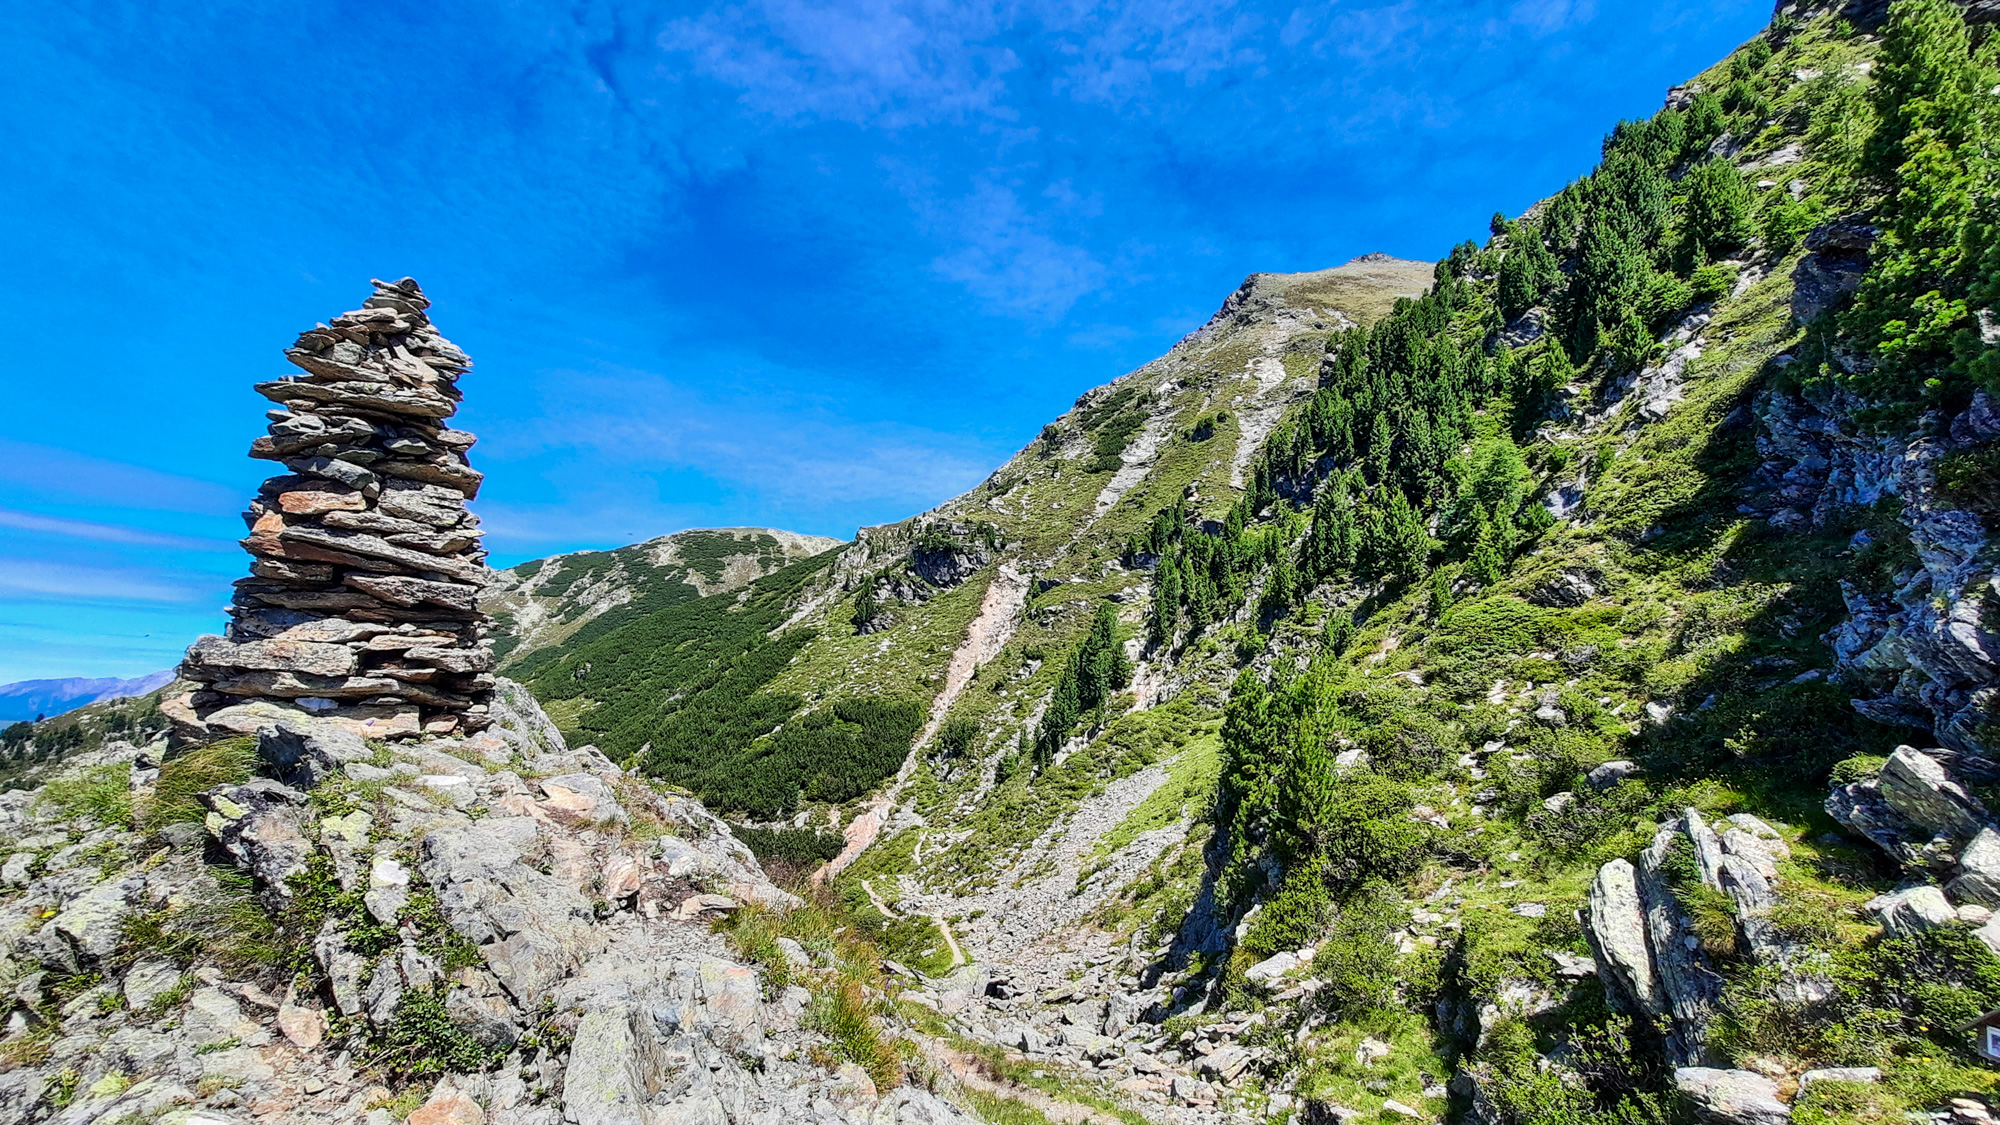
(28, 698)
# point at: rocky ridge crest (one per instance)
(512, 930)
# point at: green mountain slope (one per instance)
(1423, 686)
(1054, 518)
(545, 601)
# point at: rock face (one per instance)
(570, 958)
(1919, 810)
(1644, 945)
(362, 601)
(1917, 650)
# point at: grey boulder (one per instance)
(1731, 1097)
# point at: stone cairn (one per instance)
(362, 604)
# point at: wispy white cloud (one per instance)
(52, 472)
(888, 63)
(649, 439)
(1547, 17)
(107, 532)
(25, 578)
(1006, 255)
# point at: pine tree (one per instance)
(1381, 443)
(1339, 631)
(1720, 214)
(1166, 600)
(1979, 359)
(866, 609)
(1926, 150)
(1252, 748)
(1440, 594)
(1527, 273)
(1100, 662)
(1486, 566)
(1398, 547)
(1925, 83)
(1282, 591)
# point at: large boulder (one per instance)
(1912, 911)
(613, 1070)
(304, 752)
(1691, 987)
(1756, 842)
(532, 928)
(1836, 258)
(262, 824)
(90, 928)
(581, 798)
(1731, 1097)
(1915, 809)
(1917, 786)
(1978, 879)
(1616, 927)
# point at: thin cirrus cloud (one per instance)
(881, 63)
(789, 447)
(108, 532)
(25, 579)
(1008, 260)
(60, 475)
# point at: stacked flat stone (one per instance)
(362, 601)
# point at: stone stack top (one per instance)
(366, 568)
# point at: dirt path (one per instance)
(958, 956)
(1038, 895)
(973, 1073)
(869, 887)
(999, 612)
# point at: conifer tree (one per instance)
(1381, 442)
(1720, 215)
(1527, 273)
(1398, 545)
(866, 609)
(1252, 747)
(1339, 631)
(1166, 601)
(1486, 565)
(1927, 152)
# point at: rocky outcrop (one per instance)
(1919, 651)
(520, 904)
(946, 555)
(1918, 810)
(1831, 269)
(1914, 809)
(1645, 948)
(362, 601)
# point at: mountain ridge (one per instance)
(544, 601)
(28, 699)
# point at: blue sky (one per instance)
(812, 266)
